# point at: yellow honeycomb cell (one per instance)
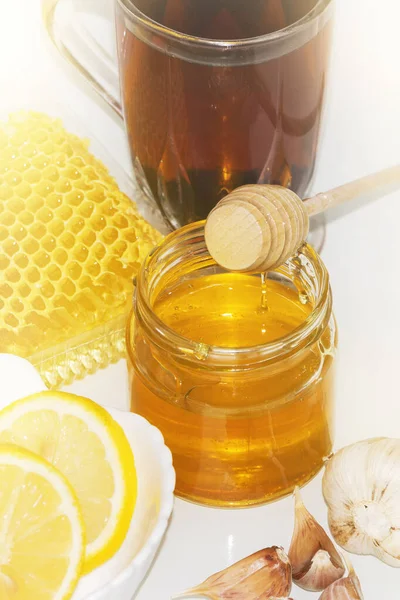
(16, 205)
(12, 178)
(7, 219)
(23, 190)
(70, 244)
(4, 262)
(23, 291)
(56, 227)
(21, 260)
(13, 274)
(26, 218)
(18, 232)
(49, 243)
(16, 305)
(32, 176)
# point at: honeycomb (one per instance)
(70, 245)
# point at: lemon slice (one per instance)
(83, 441)
(41, 529)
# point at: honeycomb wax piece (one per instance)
(70, 241)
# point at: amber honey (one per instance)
(240, 382)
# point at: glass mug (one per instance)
(214, 93)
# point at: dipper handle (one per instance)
(256, 228)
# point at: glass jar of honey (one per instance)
(236, 370)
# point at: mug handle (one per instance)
(65, 24)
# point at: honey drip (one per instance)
(264, 298)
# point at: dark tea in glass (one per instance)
(221, 93)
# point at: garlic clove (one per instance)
(315, 561)
(263, 575)
(348, 588)
(361, 486)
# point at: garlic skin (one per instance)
(315, 561)
(263, 575)
(361, 487)
(348, 588)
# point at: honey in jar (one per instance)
(237, 375)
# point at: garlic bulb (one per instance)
(348, 588)
(315, 561)
(361, 486)
(265, 574)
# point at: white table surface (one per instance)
(362, 134)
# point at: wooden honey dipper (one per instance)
(257, 228)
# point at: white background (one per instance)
(362, 134)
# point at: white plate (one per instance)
(121, 576)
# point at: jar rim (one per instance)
(239, 45)
(166, 338)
